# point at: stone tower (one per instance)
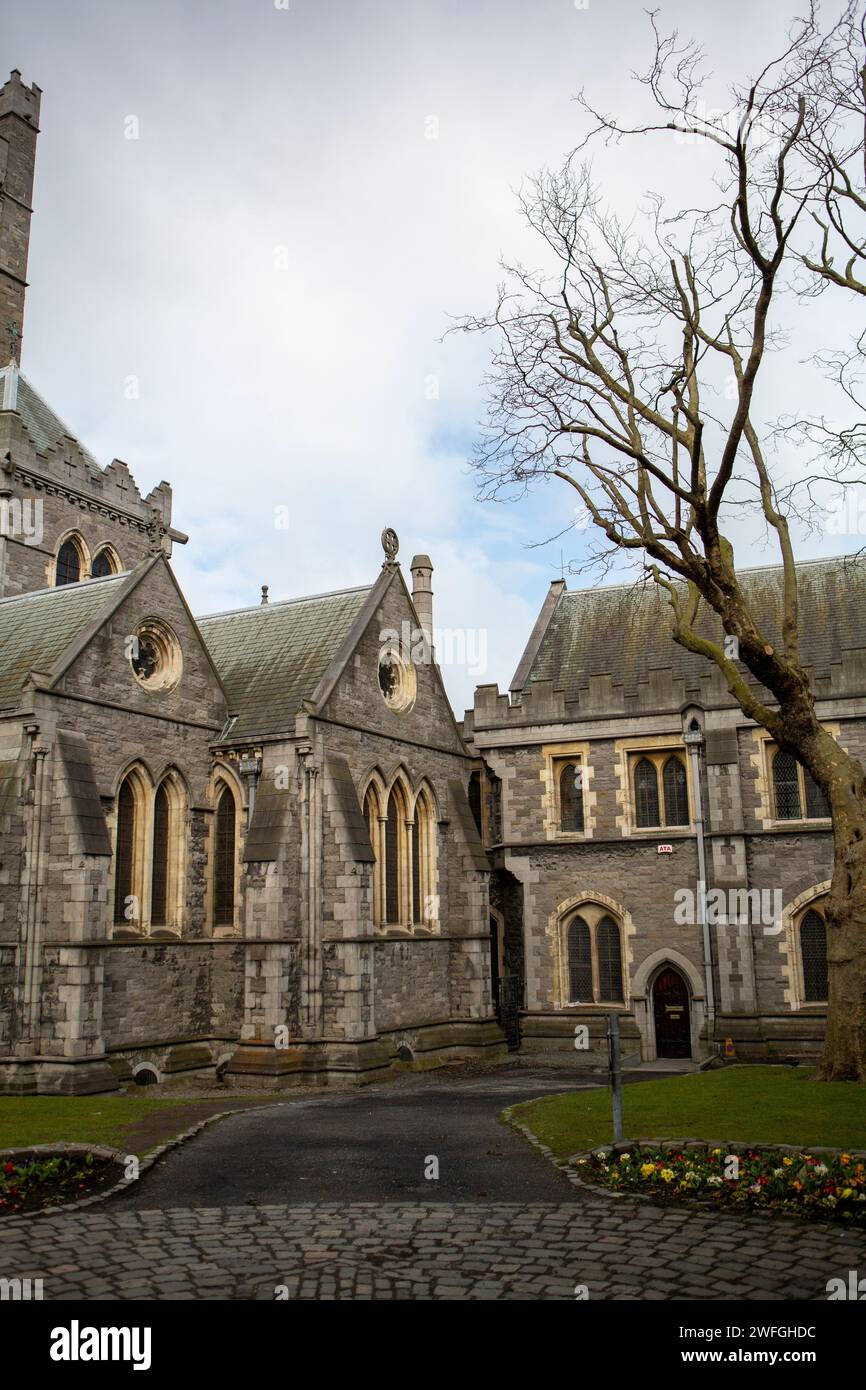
(63, 517)
(19, 128)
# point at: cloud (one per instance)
(274, 259)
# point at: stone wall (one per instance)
(412, 983)
(425, 745)
(164, 993)
(614, 864)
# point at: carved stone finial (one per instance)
(13, 332)
(390, 544)
(264, 593)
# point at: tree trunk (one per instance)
(844, 1055)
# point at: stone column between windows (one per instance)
(729, 871)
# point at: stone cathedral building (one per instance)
(258, 843)
(614, 778)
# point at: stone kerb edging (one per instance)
(119, 1156)
(567, 1165)
(564, 1165)
(738, 1146)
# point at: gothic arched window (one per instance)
(424, 902)
(224, 860)
(371, 816)
(159, 870)
(786, 786)
(593, 957)
(125, 908)
(676, 792)
(646, 793)
(580, 989)
(474, 794)
(103, 564)
(69, 563)
(817, 805)
(571, 797)
(395, 825)
(417, 895)
(813, 953)
(609, 951)
(796, 794)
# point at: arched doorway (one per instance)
(672, 1014)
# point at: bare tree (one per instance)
(630, 369)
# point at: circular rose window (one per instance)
(398, 682)
(155, 656)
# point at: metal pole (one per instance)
(693, 741)
(615, 1074)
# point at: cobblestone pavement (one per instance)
(366, 1250)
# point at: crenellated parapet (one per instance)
(51, 487)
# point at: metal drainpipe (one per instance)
(315, 803)
(304, 896)
(25, 898)
(31, 1000)
(311, 853)
(693, 741)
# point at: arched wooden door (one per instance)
(672, 1014)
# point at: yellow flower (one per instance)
(667, 1174)
(646, 1169)
(845, 1158)
(847, 1192)
(787, 1162)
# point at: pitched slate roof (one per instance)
(355, 828)
(463, 812)
(271, 657)
(269, 824)
(8, 786)
(36, 628)
(44, 427)
(88, 819)
(624, 630)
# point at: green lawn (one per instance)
(134, 1122)
(767, 1105)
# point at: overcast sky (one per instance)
(312, 192)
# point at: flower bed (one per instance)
(829, 1185)
(35, 1182)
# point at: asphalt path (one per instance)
(377, 1144)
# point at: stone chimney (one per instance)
(19, 127)
(422, 594)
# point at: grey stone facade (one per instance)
(246, 843)
(302, 983)
(117, 949)
(601, 681)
